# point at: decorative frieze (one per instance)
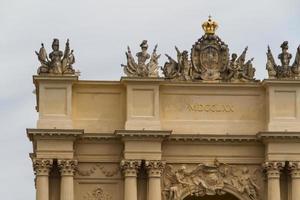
(67, 167)
(130, 167)
(273, 169)
(210, 179)
(155, 167)
(42, 166)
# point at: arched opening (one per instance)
(226, 196)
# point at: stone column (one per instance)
(42, 168)
(294, 168)
(130, 169)
(273, 174)
(154, 169)
(67, 169)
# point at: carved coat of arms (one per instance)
(210, 57)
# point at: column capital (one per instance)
(42, 167)
(273, 168)
(67, 167)
(155, 167)
(294, 169)
(130, 167)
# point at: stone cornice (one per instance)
(139, 80)
(137, 134)
(278, 136)
(164, 81)
(37, 78)
(267, 82)
(213, 138)
(98, 136)
(60, 133)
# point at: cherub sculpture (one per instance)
(285, 70)
(238, 70)
(141, 68)
(59, 63)
(178, 70)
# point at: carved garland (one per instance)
(92, 170)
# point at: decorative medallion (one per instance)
(97, 194)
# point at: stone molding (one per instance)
(213, 138)
(155, 167)
(32, 133)
(130, 167)
(294, 169)
(143, 133)
(67, 167)
(273, 169)
(278, 136)
(42, 167)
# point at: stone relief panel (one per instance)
(211, 179)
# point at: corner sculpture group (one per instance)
(209, 60)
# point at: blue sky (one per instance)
(99, 32)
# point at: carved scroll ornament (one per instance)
(209, 180)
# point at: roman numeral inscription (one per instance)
(198, 107)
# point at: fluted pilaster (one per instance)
(42, 167)
(130, 169)
(273, 170)
(154, 169)
(294, 168)
(67, 169)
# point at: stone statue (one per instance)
(238, 70)
(141, 68)
(181, 69)
(209, 61)
(285, 70)
(58, 63)
(208, 179)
